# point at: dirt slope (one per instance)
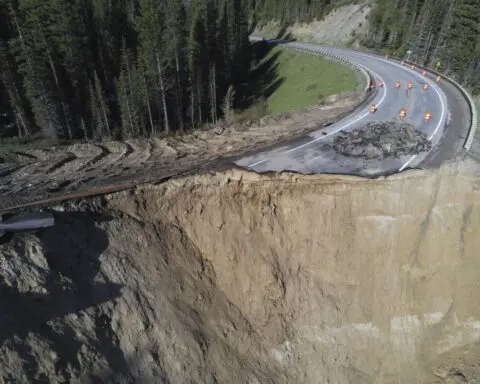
(33, 174)
(341, 26)
(241, 278)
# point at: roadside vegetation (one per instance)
(426, 31)
(93, 70)
(306, 80)
(87, 71)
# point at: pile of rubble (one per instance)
(382, 139)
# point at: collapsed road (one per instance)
(447, 128)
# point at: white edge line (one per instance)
(433, 85)
(435, 88)
(339, 129)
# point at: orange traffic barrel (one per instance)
(438, 79)
(427, 116)
(380, 84)
(410, 85)
(397, 84)
(373, 108)
(425, 86)
(403, 113)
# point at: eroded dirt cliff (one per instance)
(39, 173)
(236, 277)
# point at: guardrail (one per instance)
(319, 51)
(474, 122)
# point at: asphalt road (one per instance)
(313, 153)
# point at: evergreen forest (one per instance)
(96, 69)
(435, 31)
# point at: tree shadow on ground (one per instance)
(72, 248)
(284, 35)
(264, 78)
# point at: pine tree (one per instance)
(150, 29)
(197, 60)
(175, 42)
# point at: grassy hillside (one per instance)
(306, 79)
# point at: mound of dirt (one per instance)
(236, 277)
(382, 139)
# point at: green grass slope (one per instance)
(307, 79)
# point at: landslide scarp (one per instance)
(244, 278)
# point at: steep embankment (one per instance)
(243, 278)
(343, 25)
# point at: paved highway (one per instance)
(314, 154)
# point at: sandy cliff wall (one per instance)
(237, 277)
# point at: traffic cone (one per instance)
(413, 67)
(425, 86)
(403, 113)
(438, 79)
(380, 84)
(427, 116)
(397, 84)
(410, 85)
(373, 108)
(424, 73)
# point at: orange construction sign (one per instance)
(373, 108)
(438, 79)
(397, 84)
(427, 116)
(410, 85)
(425, 86)
(403, 113)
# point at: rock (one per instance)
(218, 130)
(387, 148)
(372, 151)
(382, 139)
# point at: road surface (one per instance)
(314, 154)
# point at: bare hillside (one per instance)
(235, 277)
(343, 25)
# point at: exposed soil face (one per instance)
(382, 139)
(40, 173)
(244, 278)
(343, 25)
